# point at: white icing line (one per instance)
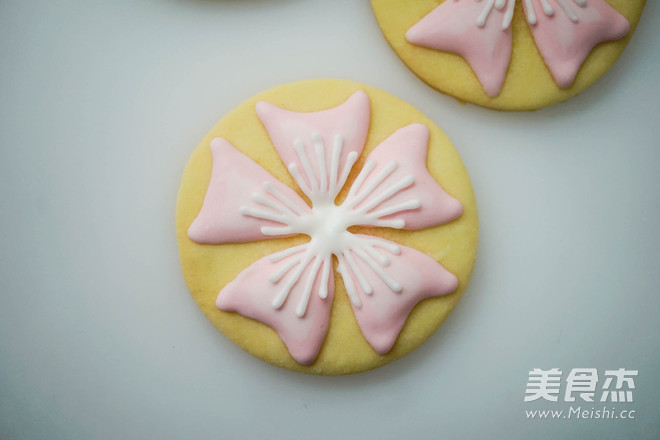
(547, 9)
(499, 4)
(481, 19)
(325, 275)
(284, 293)
(389, 192)
(348, 283)
(276, 276)
(307, 166)
(368, 167)
(405, 206)
(395, 224)
(581, 3)
(350, 160)
(319, 149)
(364, 283)
(369, 249)
(307, 290)
(531, 14)
(295, 172)
(272, 190)
(569, 12)
(270, 230)
(257, 213)
(270, 203)
(334, 163)
(392, 248)
(380, 177)
(508, 15)
(391, 283)
(287, 252)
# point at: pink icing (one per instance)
(234, 178)
(292, 291)
(251, 294)
(437, 206)
(565, 32)
(351, 119)
(565, 44)
(383, 313)
(452, 27)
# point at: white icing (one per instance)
(277, 275)
(481, 19)
(392, 284)
(327, 223)
(547, 9)
(286, 253)
(362, 280)
(302, 305)
(348, 282)
(567, 9)
(325, 275)
(531, 13)
(508, 15)
(499, 5)
(301, 264)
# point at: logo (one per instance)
(588, 393)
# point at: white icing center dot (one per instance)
(327, 226)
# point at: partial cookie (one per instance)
(326, 227)
(509, 54)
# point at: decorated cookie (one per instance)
(326, 227)
(508, 54)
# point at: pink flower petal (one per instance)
(565, 43)
(452, 27)
(235, 179)
(405, 152)
(252, 294)
(318, 132)
(382, 314)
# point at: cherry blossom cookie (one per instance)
(326, 227)
(509, 54)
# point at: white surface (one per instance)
(101, 102)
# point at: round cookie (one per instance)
(509, 54)
(326, 227)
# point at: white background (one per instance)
(101, 103)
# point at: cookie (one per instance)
(509, 54)
(326, 227)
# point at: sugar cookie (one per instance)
(508, 54)
(326, 227)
